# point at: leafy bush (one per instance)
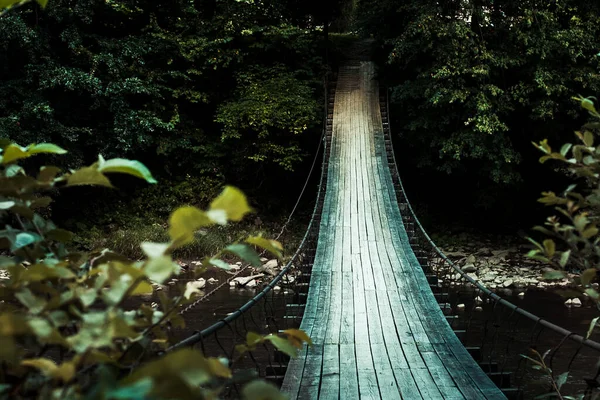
(65, 328)
(573, 235)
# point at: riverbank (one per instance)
(499, 263)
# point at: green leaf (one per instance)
(124, 166)
(550, 247)
(252, 339)
(142, 288)
(88, 176)
(60, 235)
(153, 250)
(272, 246)
(6, 205)
(42, 3)
(29, 300)
(64, 372)
(587, 276)
(593, 293)
(565, 148)
(564, 258)
(159, 269)
(140, 389)
(591, 328)
(184, 222)
(245, 252)
(261, 390)
(553, 275)
(299, 335)
(45, 147)
(561, 379)
(233, 202)
(219, 264)
(24, 239)
(590, 232)
(48, 174)
(283, 345)
(588, 138)
(588, 105)
(13, 152)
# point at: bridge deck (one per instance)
(377, 329)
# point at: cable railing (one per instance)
(496, 332)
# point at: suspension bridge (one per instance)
(377, 327)
(371, 288)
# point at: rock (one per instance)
(568, 303)
(251, 284)
(234, 267)
(473, 276)
(521, 295)
(271, 264)
(478, 300)
(276, 288)
(245, 280)
(500, 253)
(212, 280)
(195, 286)
(470, 259)
(469, 268)
(508, 283)
(494, 260)
(263, 259)
(460, 307)
(576, 302)
(484, 251)
(239, 263)
(478, 308)
(456, 254)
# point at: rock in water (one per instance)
(469, 268)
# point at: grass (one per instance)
(126, 240)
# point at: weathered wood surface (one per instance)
(377, 329)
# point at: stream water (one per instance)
(545, 304)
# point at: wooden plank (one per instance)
(348, 372)
(367, 380)
(330, 381)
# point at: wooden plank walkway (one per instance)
(377, 329)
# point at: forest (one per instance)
(219, 107)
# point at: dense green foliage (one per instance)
(477, 80)
(172, 84)
(68, 327)
(473, 83)
(573, 240)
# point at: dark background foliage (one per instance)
(223, 91)
(473, 84)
